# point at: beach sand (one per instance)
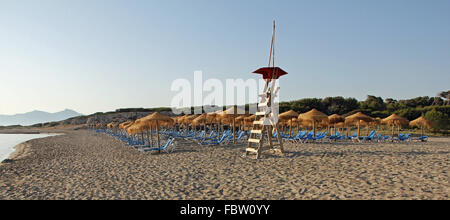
(87, 165)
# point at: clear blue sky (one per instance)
(99, 55)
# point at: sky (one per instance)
(101, 55)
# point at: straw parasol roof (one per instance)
(211, 117)
(313, 115)
(122, 125)
(288, 115)
(340, 125)
(394, 119)
(241, 118)
(156, 117)
(250, 118)
(135, 128)
(357, 118)
(187, 119)
(421, 122)
(334, 119)
(201, 119)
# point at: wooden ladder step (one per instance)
(253, 150)
(262, 104)
(256, 131)
(251, 140)
(258, 122)
(260, 113)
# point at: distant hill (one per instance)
(36, 117)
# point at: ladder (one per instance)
(265, 123)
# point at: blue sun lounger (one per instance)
(169, 147)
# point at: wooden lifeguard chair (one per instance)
(266, 121)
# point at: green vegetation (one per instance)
(434, 109)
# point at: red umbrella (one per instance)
(268, 72)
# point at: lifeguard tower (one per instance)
(266, 121)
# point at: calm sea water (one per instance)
(9, 141)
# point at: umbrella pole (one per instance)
(359, 128)
(234, 131)
(290, 129)
(151, 135)
(314, 128)
(157, 133)
(346, 130)
(393, 130)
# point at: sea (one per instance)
(9, 141)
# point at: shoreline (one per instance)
(23, 149)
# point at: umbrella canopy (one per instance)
(211, 117)
(201, 119)
(334, 119)
(156, 117)
(421, 122)
(394, 119)
(178, 119)
(250, 118)
(340, 125)
(136, 128)
(271, 72)
(241, 118)
(123, 125)
(187, 119)
(358, 118)
(315, 117)
(288, 115)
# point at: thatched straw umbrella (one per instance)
(422, 123)
(394, 120)
(289, 116)
(137, 128)
(201, 120)
(240, 120)
(188, 119)
(248, 121)
(124, 124)
(357, 118)
(231, 114)
(156, 118)
(334, 119)
(315, 117)
(211, 118)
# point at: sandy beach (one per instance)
(87, 165)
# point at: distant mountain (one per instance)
(36, 117)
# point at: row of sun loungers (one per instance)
(211, 138)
